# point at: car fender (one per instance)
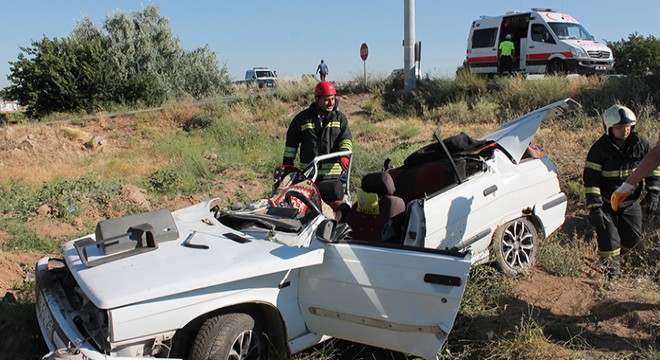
(129, 322)
(551, 212)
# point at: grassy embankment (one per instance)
(229, 149)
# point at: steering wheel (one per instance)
(305, 200)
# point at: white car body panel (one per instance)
(515, 135)
(125, 281)
(388, 290)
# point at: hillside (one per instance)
(598, 319)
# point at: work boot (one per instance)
(612, 266)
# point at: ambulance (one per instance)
(546, 41)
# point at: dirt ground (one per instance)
(624, 314)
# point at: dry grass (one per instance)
(232, 156)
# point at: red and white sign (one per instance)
(364, 51)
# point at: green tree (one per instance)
(58, 75)
(134, 59)
(635, 55)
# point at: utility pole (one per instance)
(409, 78)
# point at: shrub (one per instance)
(561, 255)
(164, 181)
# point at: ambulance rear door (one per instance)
(482, 45)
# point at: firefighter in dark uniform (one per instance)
(611, 159)
(318, 130)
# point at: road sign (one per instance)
(364, 51)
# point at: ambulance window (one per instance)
(484, 38)
(541, 34)
(570, 31)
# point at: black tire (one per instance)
(556, 67)
(515, 246)
(229, 337)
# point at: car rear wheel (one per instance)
(515, 246)
(230, 337)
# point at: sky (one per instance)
(292, 36)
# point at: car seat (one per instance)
(386, 224)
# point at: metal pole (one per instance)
(409, 45)
(365, 72)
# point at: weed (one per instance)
(452, 112)
(573, 189)
(470, 82)
(24, 238)
(374, 107)
(484, 296)
(528, 341)
(561, 257)
(408, 132)
(484, 291)
(164, 181)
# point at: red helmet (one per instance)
(324, 88)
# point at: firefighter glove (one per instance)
(650, 202)
(343, 161)
(597, 218)
(620, 194)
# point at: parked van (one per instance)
(262, 76)
(546, 41)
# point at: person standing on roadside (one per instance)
(506, 55)
(322, 69)
(610, 160)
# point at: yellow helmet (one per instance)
(618, 115)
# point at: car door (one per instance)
(467, 214)
(401, 299)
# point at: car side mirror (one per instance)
(325, 230)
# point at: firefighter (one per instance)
(610, 160)
(318, 130)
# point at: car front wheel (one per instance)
(229, 337)
(515, 245)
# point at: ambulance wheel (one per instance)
(556, 67)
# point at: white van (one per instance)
(546, 41)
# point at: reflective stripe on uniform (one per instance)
(290, 152)
(346, 144)
(593, 166)
(595, 190)
(606, 254)
(617, 173)
(307, 126)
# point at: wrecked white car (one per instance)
(494, 197)
(202, 282)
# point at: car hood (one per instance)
(588, 45)
(175, 268)
(514, 136)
